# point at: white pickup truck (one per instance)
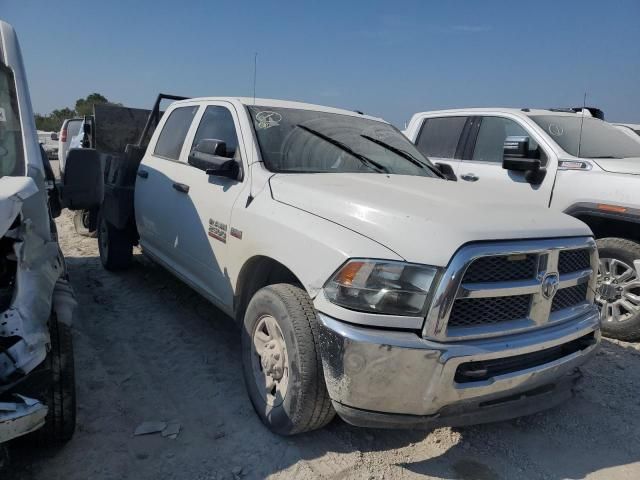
(564, 160)
(37, 390)
(365, 282)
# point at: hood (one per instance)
(424, 220)
(13, 192)
(619, 165)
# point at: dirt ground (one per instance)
(148, 348)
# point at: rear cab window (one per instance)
(12, 161)
(174, 132)
(439, 137)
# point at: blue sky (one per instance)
(386, 58)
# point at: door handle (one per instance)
(181, 187)
(142, 173)
(470, 177)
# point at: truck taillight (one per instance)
(63, 135)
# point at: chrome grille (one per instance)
(574, 260)
(501, 268)
(569, 297)
(496, 288)
(467, 312)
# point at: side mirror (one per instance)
(518, 158)
(210, 155)
(83, 180)
(446, 170)
(54, 136)
(86, 128)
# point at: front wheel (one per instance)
(115, 246)
(60, 393)
(282, 366)
(618, 291)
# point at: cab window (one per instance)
(174, 132)
(217, 123)
(439, 137)
(493, 131)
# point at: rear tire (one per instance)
(620, 316)
(115, 246)
(304, 403)
(60, 396)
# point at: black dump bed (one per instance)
(117, 126)
(121, 135)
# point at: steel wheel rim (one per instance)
(618, 290)
(270, 362)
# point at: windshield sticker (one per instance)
(555, 129)
(3, 116)
(268, 119)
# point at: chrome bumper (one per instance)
(22, 416)
(390, 378)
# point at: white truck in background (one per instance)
(364, 282)
(37, 390)
(563, 159)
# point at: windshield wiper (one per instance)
(404, 154)
(365, 160)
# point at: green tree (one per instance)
(84, 106)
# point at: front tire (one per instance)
(618, 290)
(282, 366)
(116, 249)
(60, 395)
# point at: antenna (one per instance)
(255, 73)
(584, 105)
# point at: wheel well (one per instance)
(256, 273)
(611, 227)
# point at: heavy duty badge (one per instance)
(218, 230)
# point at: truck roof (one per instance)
(516, 111)
(270, 102)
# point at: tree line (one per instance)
(83, 107)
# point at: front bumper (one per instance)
(19, 417)
(388, 378)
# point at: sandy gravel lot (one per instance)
(149, 348)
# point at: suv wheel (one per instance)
(618, 291)
(282, 367)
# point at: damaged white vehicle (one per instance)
(37, 392)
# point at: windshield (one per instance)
(307, 141)
(599, 139)
(11, 148)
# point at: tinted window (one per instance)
(490, 141)
(174, 132)
(588, 137)
(217, 123)
(308, 141)
(439, 136)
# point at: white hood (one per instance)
(424, 220)
(13, 192)
(620, 165)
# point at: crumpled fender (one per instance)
(13, 192)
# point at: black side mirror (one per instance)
(54, 136)
(86, 128)
(446, 170)
(518, 158)
(83, 180)
(210, 155)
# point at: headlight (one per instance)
(386, 287)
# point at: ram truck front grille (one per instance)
(499, 288)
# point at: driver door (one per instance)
(481, 167)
